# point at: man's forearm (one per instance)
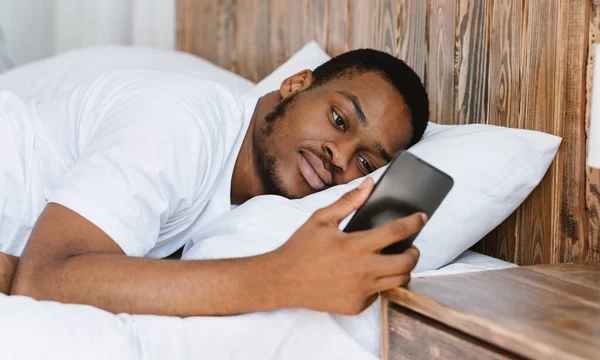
(163, 287)
(8, 265)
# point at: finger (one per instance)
(351, 201)
(394, 231)
(397, 265)
(391, 282)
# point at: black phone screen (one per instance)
(408, 185)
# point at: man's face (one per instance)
(331, 134)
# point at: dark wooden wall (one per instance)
(516, 63)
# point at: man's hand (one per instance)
(8, 265)
(329, 270)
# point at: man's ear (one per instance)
(296, 82)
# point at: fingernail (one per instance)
(424, 217)
(364, 183)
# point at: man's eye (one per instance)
(365, 166)
(339, 121)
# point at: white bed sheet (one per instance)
(468, 261)
(32, 329)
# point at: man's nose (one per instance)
(339, 154)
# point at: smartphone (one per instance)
(407, 186)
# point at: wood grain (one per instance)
(295, 26)
(386, 26)
(253, 14)
(363, 24)
(339, 39)
(384, 328)
(540, 94)
(592, 183)
(570, 234)
(440, 60)
(504, 91)
(584, 274)
(226, 34)
(472, 69)
(415, 337)
(286, 29)
(521, 310)
(184, 23)
(317, 25)
(413, 25)
(195, 18)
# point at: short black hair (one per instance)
(391, 69)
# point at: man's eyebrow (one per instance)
(359, 111)
(382, 152)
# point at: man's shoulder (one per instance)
(174, 92)
(141, 79)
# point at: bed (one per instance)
(73, 331)
(479, 64)
(522, 64)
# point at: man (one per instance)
(127, 167)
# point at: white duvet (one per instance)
(32, 329)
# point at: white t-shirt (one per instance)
(147, 156)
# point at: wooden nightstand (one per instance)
(537, 312)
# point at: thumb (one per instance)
(351, 201)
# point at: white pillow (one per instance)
(494, 170)
(48, 77)
(309, 57)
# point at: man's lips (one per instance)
(313, 171)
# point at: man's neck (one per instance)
(246, 182)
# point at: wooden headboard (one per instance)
(517, 63)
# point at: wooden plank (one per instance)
(339, 40)
(185, 34)
(386, 29)
(413, 24)
(540, 95)
(252, 40)
(593, 206)
(519, 309)
(226, 55)
(592, 187)
(363, 24)
(206, 20)
(585, 274)
(286, 30)
(501, 243)
(415, 337)
(317, 17)
(504, 91)
(570, 240)
(384, 329)
(194, 20)
(296, 19)
(440, 60)
(279, 28)
(472, 69)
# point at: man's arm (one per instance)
(8, 265)
(68, 259)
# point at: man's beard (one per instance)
(267, 162)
